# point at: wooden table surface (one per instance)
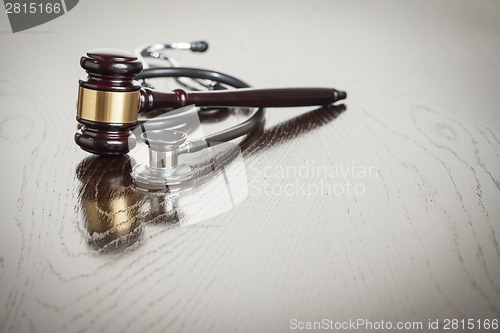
(384, 209)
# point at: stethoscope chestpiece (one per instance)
(163, 169)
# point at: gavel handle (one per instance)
(287, 97)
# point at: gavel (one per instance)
(109, 100)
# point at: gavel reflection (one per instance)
(113, 209)
(115, 212)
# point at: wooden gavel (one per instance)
(109, 100)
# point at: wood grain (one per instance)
(269, 232)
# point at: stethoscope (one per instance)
(117, 97)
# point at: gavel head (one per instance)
(108, 101)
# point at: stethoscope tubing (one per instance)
(227, 134)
